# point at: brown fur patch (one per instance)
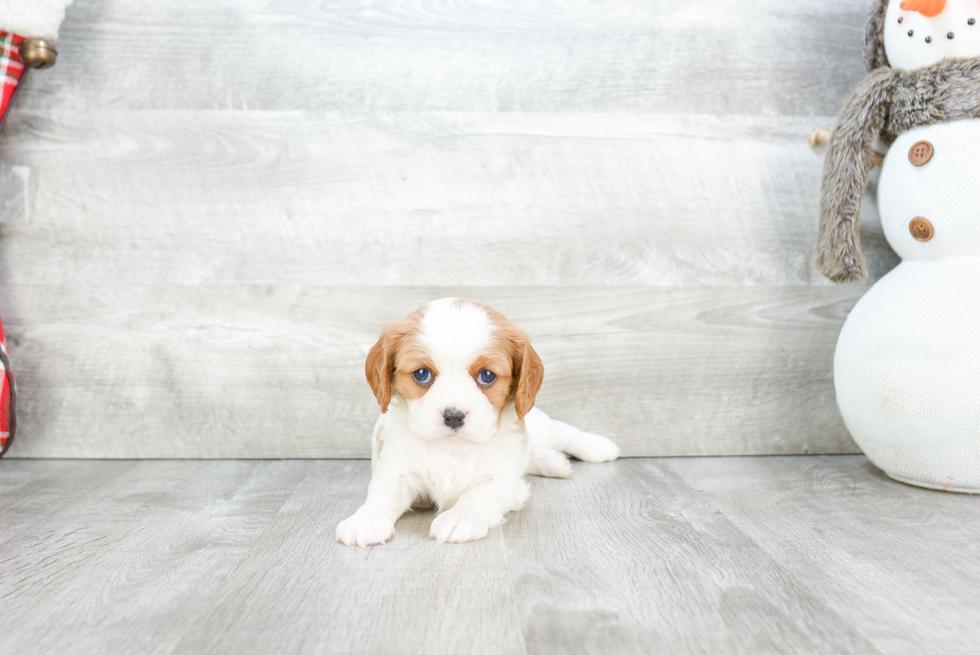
(497, 361)
(410, 358)
(526, 368)
(381, 363)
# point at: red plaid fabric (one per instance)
(11, 70)
(8, 424)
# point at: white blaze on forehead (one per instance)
(454, 332)
(931, 40)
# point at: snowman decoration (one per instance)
(907, 366)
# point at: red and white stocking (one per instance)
(8, 397)
(27, 33)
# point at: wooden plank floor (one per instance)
(752, 555)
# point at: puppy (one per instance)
(456, 382)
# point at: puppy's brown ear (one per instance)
(529, 374)
(380, 366)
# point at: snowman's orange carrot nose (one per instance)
(928, 8)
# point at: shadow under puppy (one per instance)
(456, 382)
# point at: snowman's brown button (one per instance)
(921, 153)
(921, 229)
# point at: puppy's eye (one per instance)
(486, 378)
(423, 376)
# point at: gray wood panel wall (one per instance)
(208, 212)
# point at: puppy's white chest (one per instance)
(447, 468)
(446, 479)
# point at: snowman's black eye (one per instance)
(911, 32)
(950, 35)
(928, 39)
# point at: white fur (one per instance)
(453, 334)
(476, 475)
(545, 432)
(38, 19)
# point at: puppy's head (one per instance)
(458, 367)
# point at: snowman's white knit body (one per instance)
(907, 366)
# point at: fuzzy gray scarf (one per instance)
(887, 103)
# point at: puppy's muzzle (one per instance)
(453, 417)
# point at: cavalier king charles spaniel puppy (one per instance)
(456, 382)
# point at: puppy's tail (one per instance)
(544, 432)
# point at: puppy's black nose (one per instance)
(453, 417)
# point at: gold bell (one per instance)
(38, 53)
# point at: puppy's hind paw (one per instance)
(549, 463)
(457, 526)
(365, 529)
(597, 448)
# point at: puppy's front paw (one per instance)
(457, 526)
(365, 529)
